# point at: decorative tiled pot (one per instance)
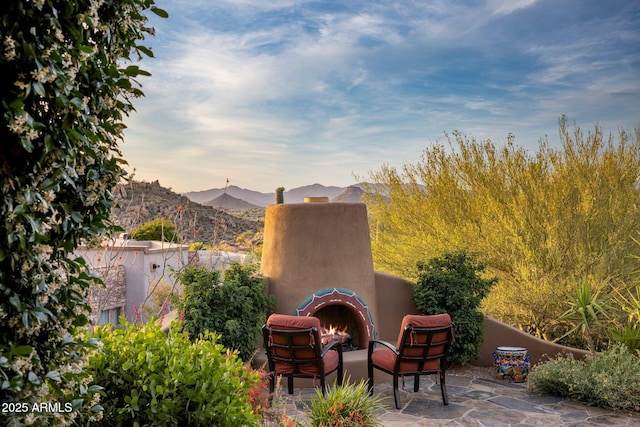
(512, 363)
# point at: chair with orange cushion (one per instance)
(294, 349)
(422, 347)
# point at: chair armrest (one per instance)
(384, 343)
(331, 345)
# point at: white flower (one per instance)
(41, 75)
(21, 85)
(30, 419)
(21, 364)
(32, 134)
(18, 126)
(10, 55)
(9, 48)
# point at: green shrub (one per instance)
(157, 229)
(610, 379)
(587, 306)
(452, 284)
(151, 378)
(235, 308)
(349, 405)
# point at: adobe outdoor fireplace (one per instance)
(317, 262)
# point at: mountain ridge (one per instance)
(227, 201)
(217, 219)
(295, 195)
(137, 203)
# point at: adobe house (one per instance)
(317, 261)
(132, 268)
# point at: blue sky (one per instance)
(270, 93)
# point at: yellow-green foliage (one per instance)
(540, 220)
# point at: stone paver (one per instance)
(474, 402)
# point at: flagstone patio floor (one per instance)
(473, 402)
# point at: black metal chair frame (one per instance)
(421, 359)
(290, 349)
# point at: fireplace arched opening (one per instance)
(342, 308)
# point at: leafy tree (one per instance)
(158, 229)
(540, 221)
(454, 284)
(67, 80)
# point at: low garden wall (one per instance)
(498, 334)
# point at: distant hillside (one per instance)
(141, 202)
(351, 194)
(297, 195)
(227, 201)
(294, 195)
(249, 196)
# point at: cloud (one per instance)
(506, 7)
(292, 89)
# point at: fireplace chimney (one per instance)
(310, 247)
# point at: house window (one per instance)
(109, 316)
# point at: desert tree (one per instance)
(540, 221)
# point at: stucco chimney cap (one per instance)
(316, 199)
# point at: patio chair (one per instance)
(422, 346)
(294, 349)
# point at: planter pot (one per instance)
(512, 363)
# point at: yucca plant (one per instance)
(629, 301)
(586, 309)
(629, 335)
(349, 405)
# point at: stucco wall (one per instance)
(395, 300)
(498, 334)
(145, 263)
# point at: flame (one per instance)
(334, 333)
(334, 330)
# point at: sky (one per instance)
(263, 94)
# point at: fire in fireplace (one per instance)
(338, 323)
(333, 333)
(343, 310)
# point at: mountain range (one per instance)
(211, 216)
(137, 203)
(233, 197)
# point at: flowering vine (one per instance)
(69, 78)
